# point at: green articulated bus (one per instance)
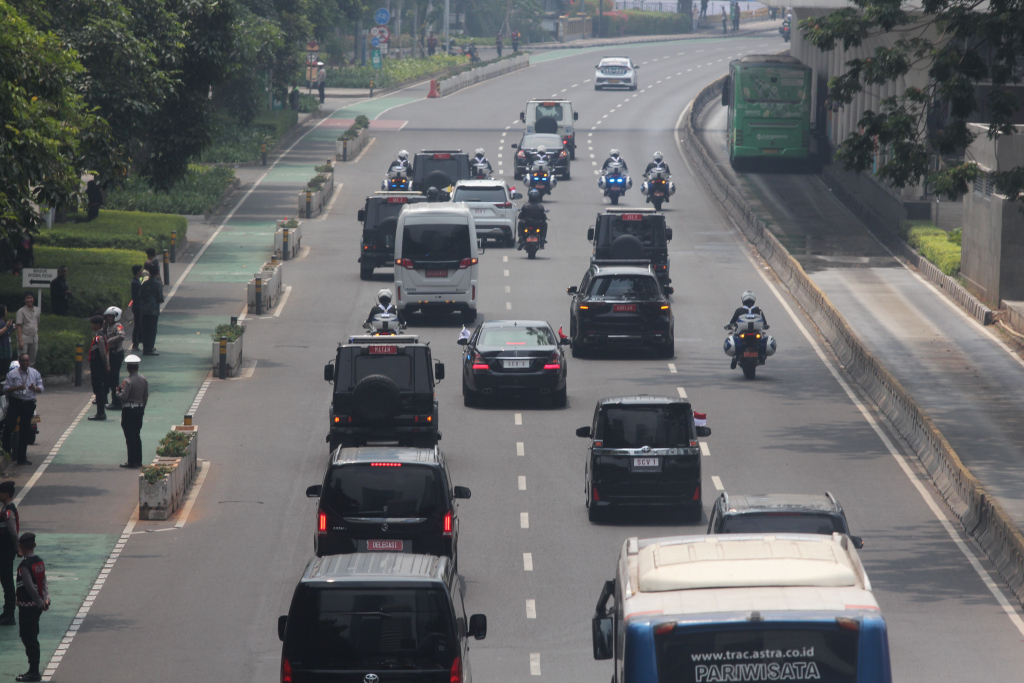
(769, 100)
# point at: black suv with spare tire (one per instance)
(626, 236)
(379, 218)
(383, 392)
(439, 168)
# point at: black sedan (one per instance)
(513, 356)
(620, 305)
(558, 153)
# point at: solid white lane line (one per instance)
(518, 419)
(535, 664)
(53, 452)
(283, 301)
(531, 609)
(527, 562)
(520, 448)
(704, 449)
(524, 520)
(522, 482)
(718, 483)
(682, 392)
(672, 368)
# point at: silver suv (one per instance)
(490, 201)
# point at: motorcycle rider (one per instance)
(535, 215)
(614, 158)
(402, 163)
(383, 305)
(540, 157)
(481, 158)
(748, 307)
(435, 195)
(657, 165)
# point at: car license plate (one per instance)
(513, 364)
(386, 546)
(624, 308)
(479, 211)
(645, 463)
(613, 80)
(769, 150)
(750, 354)
(539, 186)
(437, 273)
(532, 239)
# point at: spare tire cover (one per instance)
(376, 399)
(386, 232)
(438, 179)
(546, 124)
(627, 247)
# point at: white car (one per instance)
(490, 202)
(615, 72)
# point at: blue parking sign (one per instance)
(382, 16)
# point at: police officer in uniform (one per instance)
(99, 367)
(133, 395)
(33, 598)
(113, 330)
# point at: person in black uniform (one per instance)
(33, 598)
(60, 293)
(8, 549)
(99, 367)
(534, 214)
(748, 307)
(658, 164)
(383, 305)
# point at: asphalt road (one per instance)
(201, 602)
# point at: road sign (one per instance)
(382, 16)
(375, 41)
(38, 277)
(375, 58)
(375, 31)
(383, 48)
(384, 34)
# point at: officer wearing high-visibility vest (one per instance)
(99, 367)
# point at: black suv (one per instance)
(378, 617)
(643, 452)
(439, 168)
(769, 513)
(385, 499)
(383, 392)
(623, 235)
(379, 218)
(620, 305)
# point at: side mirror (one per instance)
(439, 371)
(361, 215)
(478, 626)
(575, 116)
(514, 145)
(571, 290)
(857, 541)
(726, 90)
(668, 234)
(462, 341)
(462, 493)
(590, 234)
(583, 432)
(601, 630)
(314, 491)
(522, 116)
(517, 195)
(703, 431)
(565, 341)
(668, 291)
(282, 623)
(329, 372)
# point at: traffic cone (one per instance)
(433, 89)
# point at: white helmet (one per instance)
(114, 311)
(542, 149)
(614, 153)
(403, 155)
(479, 151)
(748, 296)
(658, 156)
(385, 294)
(132, 359)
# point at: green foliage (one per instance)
(232, 332)
(955, 45)
(956, 236)
(935, 244)
(115, 230)
(236, 143)
(637, 23)
(174, 445)
(58, 337)
(276, 123)
(393, 72)
(98, 278)
(361, 121)
(199, 191)
(154, 473)
(309, 103)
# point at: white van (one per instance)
(436, 260)
(552, 116)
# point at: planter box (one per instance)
(234, 356)
(347, 150)
(294, 242)
(159, 500)
(272, 277)
(267, 296)
(316, 204)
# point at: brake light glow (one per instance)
(466, 263)
(562, 153)
(337, 419)
(385, 464)
(554, 362)
(425, 418)
(584, 308)
(321, 524)
(456, 671)
(479, 363)
(504, 205)
(286, 671)
(594, 494)
(448, 523)
(696, 493)
(405, 263)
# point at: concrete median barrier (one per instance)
(980, 515)
(483, 73)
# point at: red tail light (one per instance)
(554, 362)
(448, 523)
(521, 153)
(385, 464)
(405, 263)
(594, 494)
(456, 672)
(466, 263)
(504, 205)
(321, 523)
(479, 363)
(286, 671)
(696, 493)
(399, 293)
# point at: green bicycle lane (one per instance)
(82, 503)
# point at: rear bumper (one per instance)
(489, 382)
(502, 230)
(622, 336)
(796, 153)
(376, 259)
(391, 432)
(340, 543)
(459, 302)
(641, 494)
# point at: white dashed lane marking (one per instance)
(682, 392)
(506, 273)
(535, 664)
(672, 368)
(718, 483)
(504, 259)
(531, 609)
(518, 419)
(522, 483)
(527, 562)
(520, 448)
(704, 450)
(508, 305)
(524, 518)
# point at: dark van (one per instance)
(387, 617)
(626, 236)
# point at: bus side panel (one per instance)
(873, 658)
(641, 662)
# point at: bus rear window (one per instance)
(773, 85)
(759, 653)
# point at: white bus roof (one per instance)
(685, 575)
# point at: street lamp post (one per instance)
(447, 21)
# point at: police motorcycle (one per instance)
(540, 177)
(614, 181)
(397, 181)
(657, 188)
(384, 325)
(785, 29)
(748, 344)
(479, 170)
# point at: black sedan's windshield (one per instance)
(630, 287)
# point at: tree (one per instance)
(47, 125)
(958, 44)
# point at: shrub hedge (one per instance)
(638, 23)
(394, 71)
(115, 230)
(58, 337)
(199, 191)
(234, 143)
(935, 244)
